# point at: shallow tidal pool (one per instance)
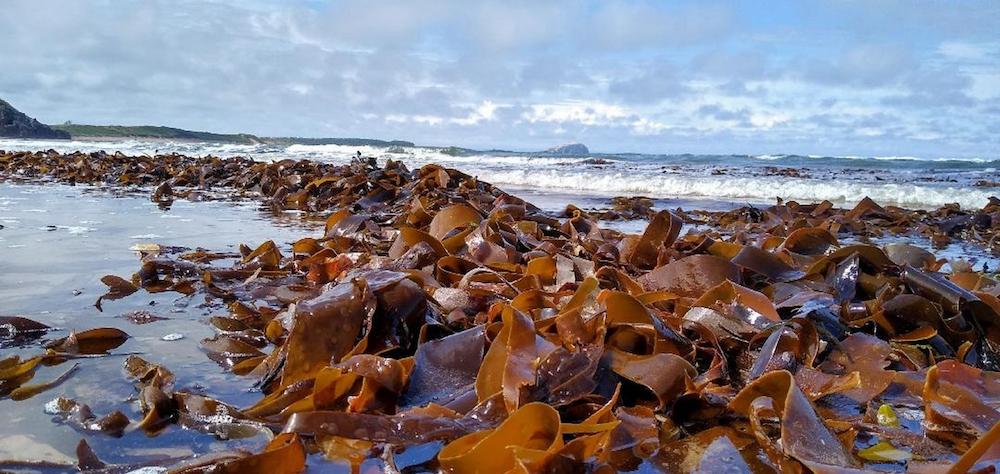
(56, 242)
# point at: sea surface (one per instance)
(696, 181)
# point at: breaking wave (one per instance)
(900, 180)
(736, 188)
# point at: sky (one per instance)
(863, 78)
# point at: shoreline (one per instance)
(30, 166)
(743, 179)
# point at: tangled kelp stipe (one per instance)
(440, 316)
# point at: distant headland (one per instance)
(15, 124)
(170, 133)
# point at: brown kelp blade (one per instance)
(89, 342)
(17, 330)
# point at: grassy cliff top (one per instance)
(149, 131)
(170, 133)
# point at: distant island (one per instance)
(571, 149)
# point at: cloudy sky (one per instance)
(865, 77)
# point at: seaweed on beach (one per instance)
(438, 315)
(16, 372)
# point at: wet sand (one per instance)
(56, 243)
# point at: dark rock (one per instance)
(14, 124)
(573, 149)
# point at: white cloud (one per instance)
(629, 25)
(630, 75)
(985, 85)
(969, 51)
(645, 126)
(586, 113)
(768, 120)
(416, 119)
(483, 111)
(870, 131)
(300, 89)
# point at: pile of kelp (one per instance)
(439, 324)
(307, 186)
(867, 220)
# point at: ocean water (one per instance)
(700, 180)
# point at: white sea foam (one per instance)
(970, 159)
(933, 159)
(52, 407)
(684, 176)
(76, 229)
(736, 188)
(333, 150)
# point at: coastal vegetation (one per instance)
(170, 133)
(149, 131)
(15, 124)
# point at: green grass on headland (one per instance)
(148, 131)
(170, 133)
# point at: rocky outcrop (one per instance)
(574, 149)
(14, 124)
